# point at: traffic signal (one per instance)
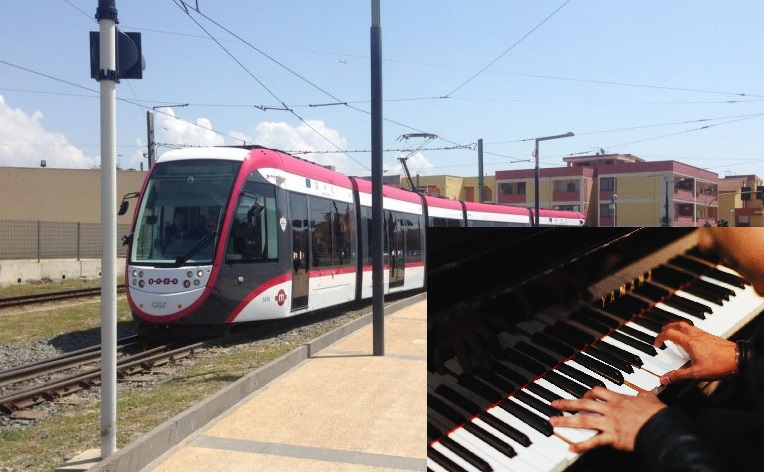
(130, 62)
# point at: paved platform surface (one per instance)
(343, 409)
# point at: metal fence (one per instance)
(54, 240)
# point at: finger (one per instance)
(675, 332)
(579, 421)
(601, 393)
(602, 439)
(679, 374)
(584, 404)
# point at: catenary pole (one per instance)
(377, 214)
(106, 14)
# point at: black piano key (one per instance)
(663, 317)
(635, 333)
(537, 404)
(479, 388)
(724, 292)
(443, 461)
(690, 264)
(647, 322)
(670, 277)
(727, 278)
(589, 322)
(573, 388)
(458, 399)
(548, 342)
(466, 454)
(687, 306)
(505, 429)
(537, 354)
(652, 292)
(635, 343)
(508, 370)
(584, 336)
(565, 337)
(632, 359)
(609, 372)
(581, 377)
(528, 417)
(444, 409)
(490, 439)
(544, 393)
(525, 362)
(433, 432)
(496, 381)
(600, 317)
(707, 295)
(610, 359)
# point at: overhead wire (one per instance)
(504, 53)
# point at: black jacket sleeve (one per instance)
(667, 442)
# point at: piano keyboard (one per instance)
(498, 419)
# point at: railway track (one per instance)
(53, 296)
(54, 378)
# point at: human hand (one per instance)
(618, 417)
(741, 248)
(711, 357)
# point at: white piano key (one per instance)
(624, 389)
(454, 457)
(479, 448)
(651, 364)
(434, 466)
(529, 454)
(571, 434)
(554, 447)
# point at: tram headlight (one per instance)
(135, 273)
(141, 283)
(135, 282)
(140, 274)
(189, 274)
(199, 273)
(196, 283)
(186, 283)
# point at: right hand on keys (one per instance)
(712, 357)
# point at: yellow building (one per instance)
(740, 202)
(618, 190)
(453, 187)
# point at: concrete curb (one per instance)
(141, 452)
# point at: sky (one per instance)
(663, 80)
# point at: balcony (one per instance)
(606, 195)
(566, 196)
(512, 198)
(607, 221)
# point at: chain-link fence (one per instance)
(54, 240)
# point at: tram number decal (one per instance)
(165, 281)
(281, 297)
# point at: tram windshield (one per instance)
(182, 211)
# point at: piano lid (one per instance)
(481, 265)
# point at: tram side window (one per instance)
(254, 234)
(330, 231)
(436, 222)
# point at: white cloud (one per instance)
(24, 142)
(416, 163)
(169, 130)
(304, 137)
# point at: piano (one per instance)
(575, 308)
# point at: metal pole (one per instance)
(536, 155)
(150, 135)
(480, 171)
(377, 214)
(667, 207)
(107, 17)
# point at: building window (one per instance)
(505, 189)
(607, 183)
(521, 188)
(606, 210)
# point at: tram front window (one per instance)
(182, 211)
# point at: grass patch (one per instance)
(47, 286)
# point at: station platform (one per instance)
(341, 409)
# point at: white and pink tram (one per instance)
(235, 234)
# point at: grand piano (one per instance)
(519, 317)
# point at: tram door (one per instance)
(397, 248)
(298, 205)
